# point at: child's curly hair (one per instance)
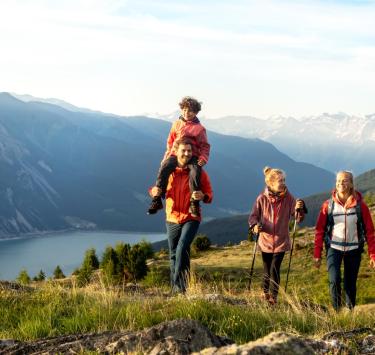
(193, 104)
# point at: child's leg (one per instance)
(194, 175)
(194, 184)
(166, 169)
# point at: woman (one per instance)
(269, 219)
(344, 222)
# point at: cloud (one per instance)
(151, 52)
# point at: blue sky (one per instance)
(258, 58)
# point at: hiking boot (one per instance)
(266, 297)
(156, 204)
(194, 208)
(272, 301)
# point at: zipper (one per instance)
(274, 226)
(345, 231)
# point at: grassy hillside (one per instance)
(218, 297)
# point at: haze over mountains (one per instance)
(73, 168)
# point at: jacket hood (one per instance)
(352, 200)
(195, 120)
(275, 196)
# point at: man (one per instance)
(182, 226)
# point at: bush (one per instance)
(147, 248)
(40, 277)
(201, 243)
(89, 264)
(110, 267)
(58, 273)
(136, 267)
(23, 277)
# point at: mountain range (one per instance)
(331, 141)
(67, 168)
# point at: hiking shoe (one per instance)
(194, 208)
(272, 301)
(156, 205)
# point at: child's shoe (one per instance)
(194, 208)
(156, 205)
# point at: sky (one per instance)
(240, 57)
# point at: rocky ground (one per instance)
(186, 336)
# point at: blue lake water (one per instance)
(65, 249)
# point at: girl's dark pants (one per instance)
(180, 237)
(170, 164)
(352, 260)
(271, 273)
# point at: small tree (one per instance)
(40, 277)
(136, 267)
(58, 273)
(147, 248)
(201, 243)
(23, 277)
(110, 266)
(89, 264)
(90, 260)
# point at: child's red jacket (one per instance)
(192, 130)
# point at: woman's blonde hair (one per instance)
(351, 177)
(271, 173)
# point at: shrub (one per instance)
(40, 277)
(89, 264)
(58, 273)
(201, 243)
(147, 248)
(23, 277)
(109, 267)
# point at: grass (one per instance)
(52, 311)
(56, 308)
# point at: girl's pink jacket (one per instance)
(274, 213)
(192, 130)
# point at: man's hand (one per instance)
(317, 262)
(155, 191)
(197, 195)
(201, 162)
(257, 228)
(372, 263)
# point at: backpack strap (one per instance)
(361, 228)
(329, 224)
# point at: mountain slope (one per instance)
(70, 169)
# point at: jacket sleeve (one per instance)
(369, 225)
(206, 187)
(170, 140)
(320, 230)
(204, 146)
(255, 214)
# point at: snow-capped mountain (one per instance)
(332, 141)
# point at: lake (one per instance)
(66, 249)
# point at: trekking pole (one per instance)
(254, 254)
(291, 252)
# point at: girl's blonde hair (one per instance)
(351, 177)
(271, 173)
